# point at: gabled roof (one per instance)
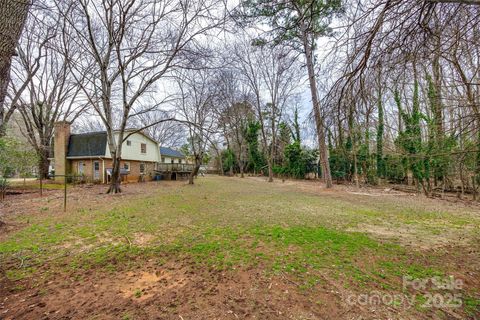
(168, 152)
(87, 144)
(141, 132)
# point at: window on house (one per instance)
(142, 168)
(129, 143)
(143, 148)
(179, 160)
(163, 159)
(126, 166)
(172, 161)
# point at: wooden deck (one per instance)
(173, 171)
(174, 167)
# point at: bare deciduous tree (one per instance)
(125, 48)
(195, 107)
(272, 76)
(42, 89)
(234, 112)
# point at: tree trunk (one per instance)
(323, 151)
(438, 109)
(194, 173)
(115, 152)
(355, 170)
(241, 162)
(14, 15)
(220, 162)
(474, 188)
(242, 174)
(222, 173)
(116, 178)
(43, 164)
(270, 170)
(380, 129)
(477, 160)
(273, 144)
(424, 184)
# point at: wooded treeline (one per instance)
(405, 105)
(401, 95)
(359, 91)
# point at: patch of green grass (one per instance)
(417, 271)
(407, 268)
(300, 251)
(35, 238)
(19, 274)
(138, 293)
(319, 238)
(107, 256)
(297, 248)
(472, 305)
(126, 317)
(420, 301)
(18, 288)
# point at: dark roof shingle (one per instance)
(87, 144)
(168, 152)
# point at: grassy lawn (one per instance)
(293, 250)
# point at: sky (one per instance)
(166, 86)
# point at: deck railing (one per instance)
(174, 167)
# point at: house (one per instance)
(174, 165)
(88, 155)
(169, 155)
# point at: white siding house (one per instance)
(168, 155)
(138, 147)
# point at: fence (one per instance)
(4, 186)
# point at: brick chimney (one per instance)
(61, 138)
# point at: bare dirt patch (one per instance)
(142, 239)
(142, 285)
(412, 236)
(177, 291)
